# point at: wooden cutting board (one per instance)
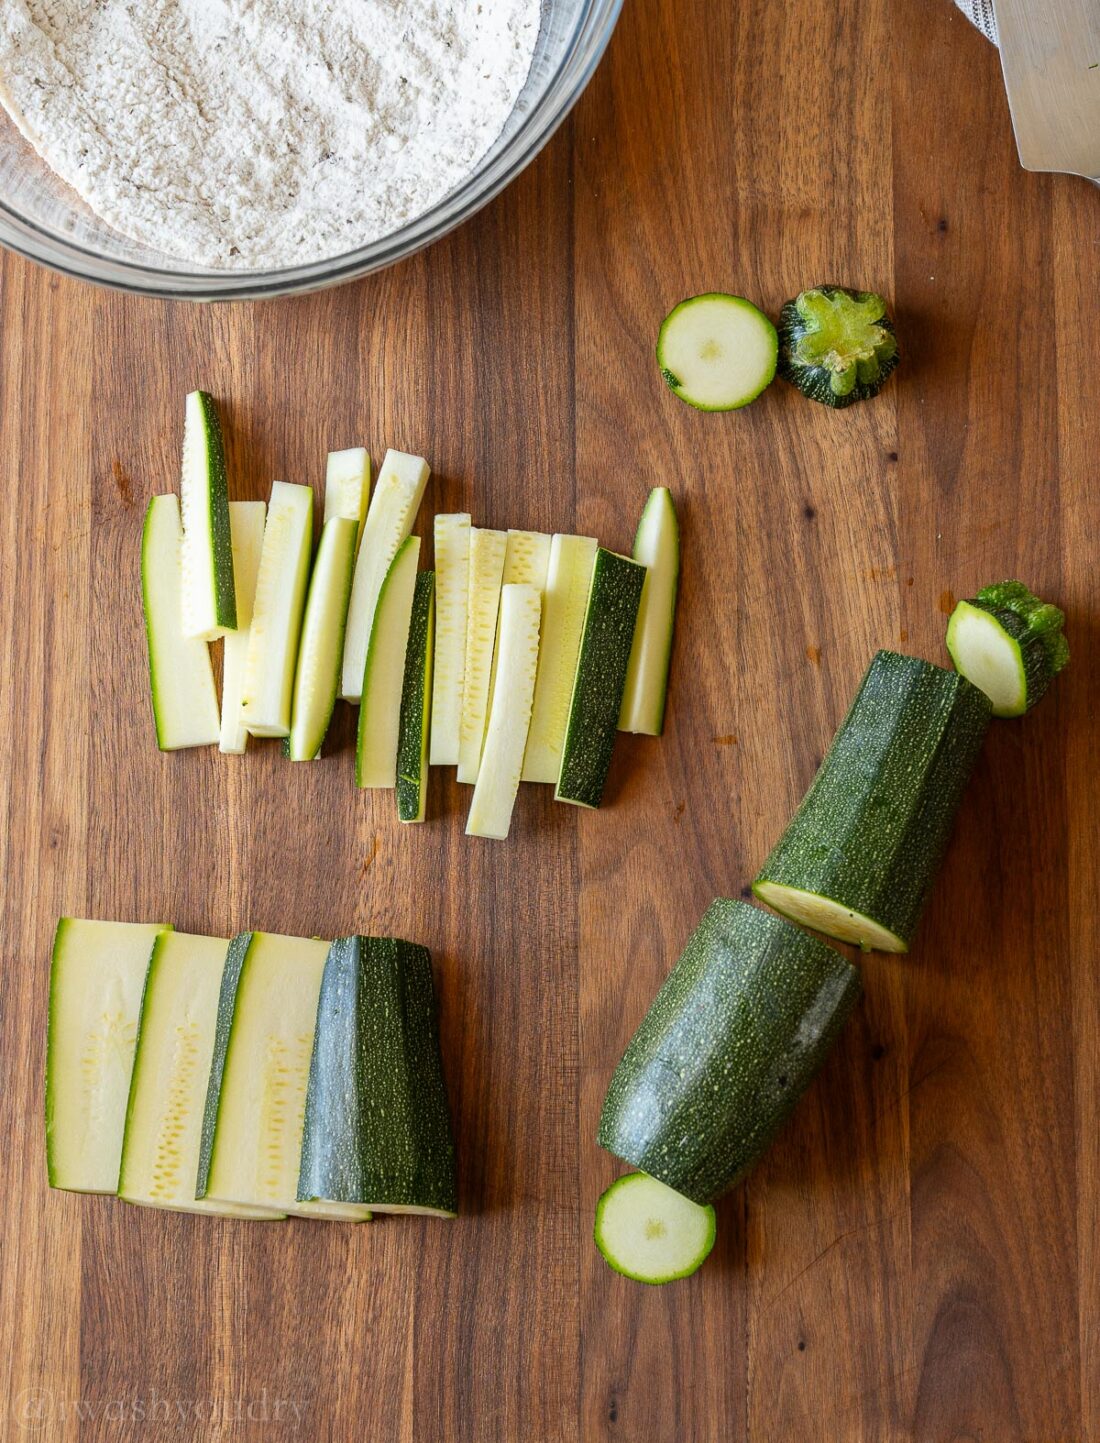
(919, 1255)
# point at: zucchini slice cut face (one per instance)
(317, 672)
(650, 1233)
(280, 599)
(209, 596)
(564, 605)
(510, 717)
(97, 975)
(181, 680)
(246, 521)
(347, 487)
(1009, 644)
(384, 677)
(487, 553)
(416, 704)
(717, 352)
(837, 346)
(657, 547)
(452, 583)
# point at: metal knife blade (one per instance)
(1050, 54)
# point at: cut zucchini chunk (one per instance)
(734, 1037)
(650, 1233)
(452, 583)
(837, 346)
(209, 605)
(317, 674)
(347, 487)
(565, 602)
(597, 699)
(657, 547)
(1009, 644)
(717, 352)
(97, 974)
(859, 858)
(175, 1046)
(384, 677)
(277, 611)
(526, 561)
(377, 1130)
(185, 704)
(487, 553)
(251, 1142)
(246, 521)
(510, 718)
(393, 507)
(416, 704)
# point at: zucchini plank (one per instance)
(487, 553)
(565, 603)
(347, 488)
(246, 521)
(383, 679)
(452, 571)
(317, 671)
(657, 548)
(416, 704)
(209, 595)
(510, 718)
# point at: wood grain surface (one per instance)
(918, 1258)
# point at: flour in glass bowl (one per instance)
(263, 133)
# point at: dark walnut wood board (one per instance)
(918, 1258)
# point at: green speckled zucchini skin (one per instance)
(217, 498)
(416, 704)
(227, 1003)
(598, 687)
(377, 1127)
(732, 1040)
(872, 829)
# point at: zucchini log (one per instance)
(651, 1234)
(836, 346)
(858, 859)
(1009, 644)
(732, 1040)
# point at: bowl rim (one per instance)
(584, 50)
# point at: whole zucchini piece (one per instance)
(1009, 643)
(732, 1040)
(837, 346)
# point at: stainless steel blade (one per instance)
(1050, 53)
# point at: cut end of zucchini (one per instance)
(717, 352)
(988, 656)
(837, 346)
(824, 915)
(651, 1234)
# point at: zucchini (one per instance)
(251, 1141)
(246, 521)
(657, 547)
(97, 973)
(268, 689)
(317, 673)
(175, 1046)
(510, 717)
(565, 602)
(347, 488)
(597, 698)
(837, 346)
(416, 704)
(717, 352)
(526, 559)
(858, 860)
(181, 680)
(650, 1233)
(732, 1040)
(393, 507)
(380, 712)
(487, 553)
(452, 581)
(377, 1132)
(209, 596)
(1009, 644)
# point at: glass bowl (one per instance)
(40, 217)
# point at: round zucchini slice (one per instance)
(650, 1233)
(717, 352)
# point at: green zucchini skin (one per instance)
(870, 832)
(598, 687)
(416, 704)
(1034, 625)
(218, 500)
(857, 366)
(227, 1003)
(732, 1040)
(377, 1127)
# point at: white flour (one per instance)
(255, 133)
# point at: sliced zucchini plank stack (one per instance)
(347, 487)
(1009, 644)
(858, 859)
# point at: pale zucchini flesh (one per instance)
(97, 975)
(246, 521)
(526, 561)
(565, 601)
(452, 581)
(317, 673)
(160, 1150)
(416, 704)
(393, 507)
(989, 657)
(347, 487)
(384, 675)
(657, 548)
(651, 1234)
(209, 597)
(510, 716)
(277, 611)
(487, 553)
(181, 680)
(832, 918)
(717, 352)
